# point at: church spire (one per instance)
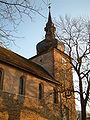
(49, 17)
(50, 42)
(50, 29)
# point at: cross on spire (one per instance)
(49, 17)
(50, 29)
(49, 5)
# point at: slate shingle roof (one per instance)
(13, 59)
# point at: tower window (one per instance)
(41, 90)
(1, 81)
(68, 93)
(55, 96)
(22, 86)
(66, 113)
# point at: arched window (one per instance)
(1, 80)
(41, 91)
(55, 95)
(22, 86)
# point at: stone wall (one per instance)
(11, 81)
(16, 107)
(45, 60)
(25, 107)
(58, 64)
(63, 73)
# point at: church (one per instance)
(38, 88)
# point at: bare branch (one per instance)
(74, 34)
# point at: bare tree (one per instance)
(75, 35)
(12, 13)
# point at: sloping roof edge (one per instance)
(13, 59)
(47, 52)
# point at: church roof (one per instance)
(13, 59)
(50, 40)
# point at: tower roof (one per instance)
(50, 41)
(50, 29)
(49, 17)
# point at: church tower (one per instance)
(51, 56)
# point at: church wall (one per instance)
(16, 107)
(25, 107)
(63, 73)
(45, 60)
(10, 78)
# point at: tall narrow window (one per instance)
(1, 82)
(41, 90)
(22, 86)
(55, 96)
(66, 113)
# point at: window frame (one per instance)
(55, 95)
(1, 80)
(22, 82)
(41, 91)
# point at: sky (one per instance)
(32, 31)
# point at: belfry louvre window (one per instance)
(22, 86)
(41, 91)
(1, 80)
(55, 95)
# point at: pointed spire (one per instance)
(49, 17)
(50, 29)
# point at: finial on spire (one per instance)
(49, 17)
(49, 5)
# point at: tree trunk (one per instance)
(83, 112)
(82, 100)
